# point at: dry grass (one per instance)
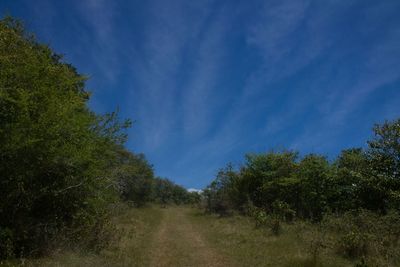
(183, 236)
(238, 238)
(135, 231)
(179, 242)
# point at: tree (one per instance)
(313, 173)
(134, 176)
(382, 188)
(350, 171)
(221, 194)
(55, 152)
(384, 149)
(263, 171)
(167, 192)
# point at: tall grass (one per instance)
(130, 247)
(239, 238)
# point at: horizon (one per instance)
(207, 82)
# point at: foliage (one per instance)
(384, 163)
(54, 150)
(313, 173)
(279, 186)
(62, 167)
(266, 174)
(365, 235)
(221, 193)
(134, 176)
(61, 164)
(167, 192)
(309, 187)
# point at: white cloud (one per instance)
(201, 93)
(195, 190)
(171, 27)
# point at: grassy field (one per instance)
(239, 239)
(135, 231)
(184, 236)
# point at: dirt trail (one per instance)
(178, 243)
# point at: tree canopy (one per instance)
(61, 164)
(311, 186)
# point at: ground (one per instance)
(179, 242)
(186, 237)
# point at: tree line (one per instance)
(62, 166)
(310, 186)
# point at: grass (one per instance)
(179, 242)
(135, 231)
(183, 236)
(238, 238)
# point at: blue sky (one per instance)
(207, 81)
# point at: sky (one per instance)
(206, 81)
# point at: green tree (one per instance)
(221, 195)
(384, 149)
(55, 152)
(167, 192)
(313, 173)
(264, 171)
(351, 169)
(134, 176)
(381, 189)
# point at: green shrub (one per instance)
(354, 244)
(366, 236)
(260, 216)
(264, 220)
(283, 210)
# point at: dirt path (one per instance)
(179, 243)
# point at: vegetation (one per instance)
(183, 236)
(356, 196)
(167, 192)
(63, 167)
(135, 231)
(298, 244)
(67, 183)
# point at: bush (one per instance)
(260, 217)
(264, 220)
(282, 210)
(366, 236)
(56, 156)
(354, 244)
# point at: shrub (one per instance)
(56, 155)
(366, 236)
(354, 244)
(260, 216)
(283, 210)
(262, 219)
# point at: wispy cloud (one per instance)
(200, 94)
(181, 64)
(378, 69)
(170, 28)
(99, 16)
(207, 81)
